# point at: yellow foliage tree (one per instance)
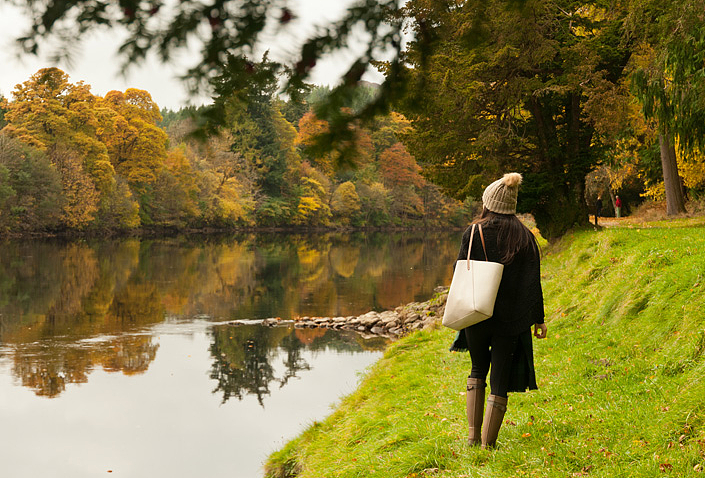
(80, 195)
(310, 127)
(47, 110)
(136, 145)
(345, 203)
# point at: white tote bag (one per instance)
(473, 290)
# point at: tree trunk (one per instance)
(558, 184)
(675, 204)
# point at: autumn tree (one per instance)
(345, 203)
(136, 145)
(374, 203)
(313, 209)
(399, 168)
(218, 171)
(48, 110)
(309, 128)
(118, 208)
(503, 89)
(81, 198)
(669, 82)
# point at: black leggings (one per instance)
(488, 348)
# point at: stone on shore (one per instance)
(400, 321)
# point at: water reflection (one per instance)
(46, 367)
(56, 295)
(164, 421)
(243, 355)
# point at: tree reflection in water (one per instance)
(55, 295)
(47, 368)
(243, 356)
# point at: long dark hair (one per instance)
(512, 235)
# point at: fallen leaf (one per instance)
(664, 467)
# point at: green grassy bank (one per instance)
(621, 378)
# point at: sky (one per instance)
(97, 64)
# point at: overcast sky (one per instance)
(97, 65)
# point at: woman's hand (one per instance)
(540, 331)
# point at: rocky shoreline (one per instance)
(389, 323)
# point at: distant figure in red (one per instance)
(618, 207)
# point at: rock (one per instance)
(391, 325)
(388, 316)
(396, 331)
(361, 328)
(339, 320)
(377, 330)
(412, 317)
(369, 319)
(368, 336)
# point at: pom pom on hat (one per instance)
(511, 180)
(501, 195)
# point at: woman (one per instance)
(504, 340)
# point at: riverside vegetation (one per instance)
(74, 162)
(621, 387)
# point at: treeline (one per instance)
(74, 161)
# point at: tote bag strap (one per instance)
(482, 238)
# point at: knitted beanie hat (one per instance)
(501, 195)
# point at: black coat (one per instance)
(519, 302)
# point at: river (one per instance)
(117, 358)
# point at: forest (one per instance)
(74, 161)
(586, 99)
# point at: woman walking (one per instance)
(502, 344)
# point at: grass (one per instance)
(621, 380)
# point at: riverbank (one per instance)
(159, 232)
(621, 387)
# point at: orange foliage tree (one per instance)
(399, 168)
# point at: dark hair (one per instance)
(512, 235)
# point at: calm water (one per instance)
(115, 361)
